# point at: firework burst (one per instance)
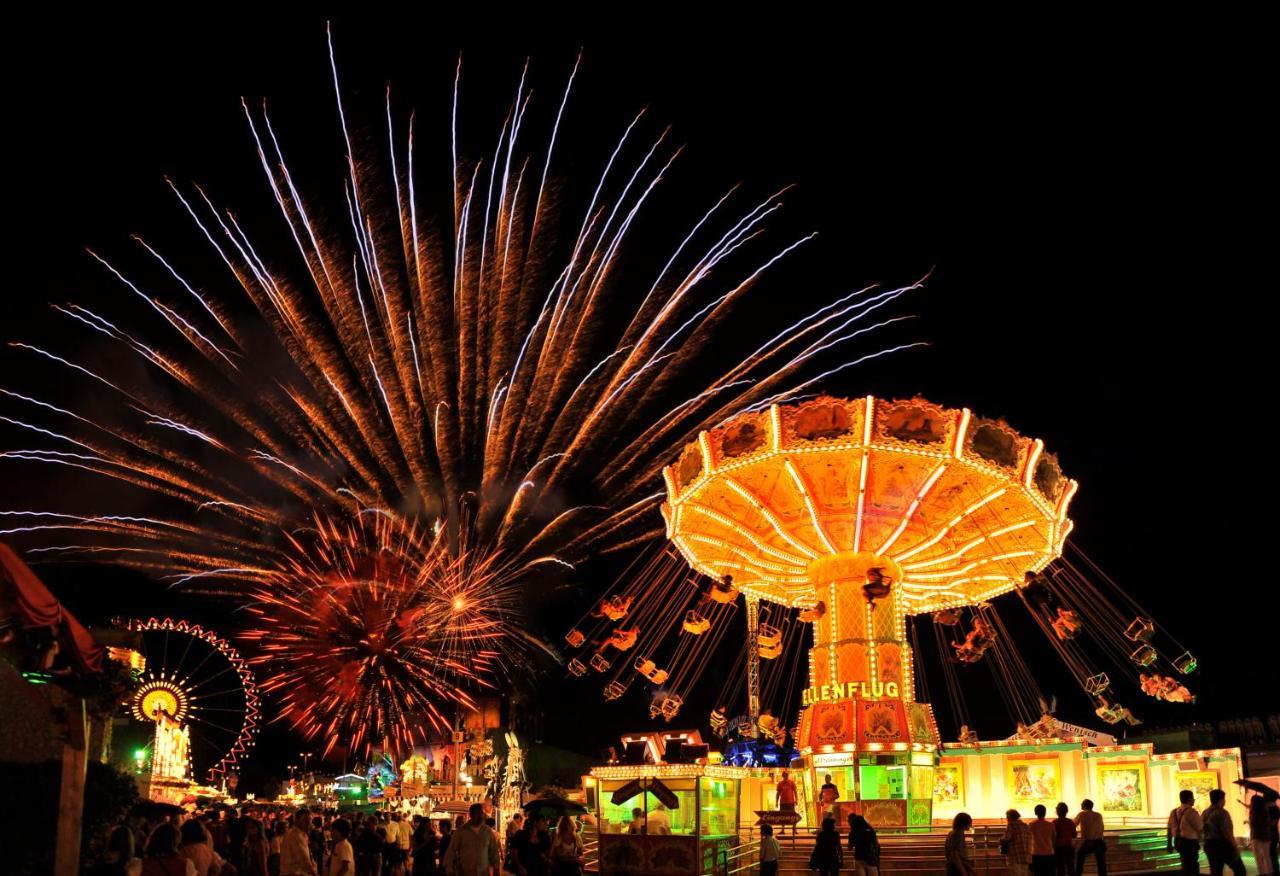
(485, 387)
(370, 629)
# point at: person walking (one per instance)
(1184, 832)
(1092, 838)
(1260, 836)
(959, 861)
(473, 850)
(1042, 855)
(864, 845)
(826, 856)
(1016, 844)
(770, 851)
(1220, 836)
(566, 849)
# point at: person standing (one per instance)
(426, 849)
(770, 851)
(1064, 842)
(533, 847)
(368, 849)
(316, 837)
(637, 821)
(788, 799)
(162, 857)
(473, 850)
(276, 834)
(118, 858)
(826, 856)
(255, 848)
(1220, 836)
(1260, 836)
(295, 847)
(1016, 844)
(342, 860)
(959, 862)
(1092, 838)
(198, 846)
(566, 849)
(659, 822)
(1042, 854)
(828, 795)
(1183, 832)
(446, 840)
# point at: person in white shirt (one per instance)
(659, 821)
(342, 861)
(770, 851)
(1184, 831)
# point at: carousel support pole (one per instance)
(71, 794)
(753, 659)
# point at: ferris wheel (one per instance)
(199, 680)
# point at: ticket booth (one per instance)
(670, 819)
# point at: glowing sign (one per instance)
(850, 690)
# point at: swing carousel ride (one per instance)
(842, 527)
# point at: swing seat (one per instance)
(671, 706)
(1144, 655)
(577, 667)
(722, 594)
(1097, 685)
(614, 690)
(575, 638)
(696, 623)
(1140, 630)
(1185, 663)
(599, 663)
(948, 617)
(815, 614)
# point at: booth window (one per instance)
(719, 807)
(878, 780)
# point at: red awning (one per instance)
(37, 607)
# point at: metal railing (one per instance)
(744, 855)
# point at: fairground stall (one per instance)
(685, 817)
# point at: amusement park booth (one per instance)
(690, 814)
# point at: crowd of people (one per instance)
(324, 843)
(1041, 847)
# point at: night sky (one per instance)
(1097, 277)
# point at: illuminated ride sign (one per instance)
(850, 690)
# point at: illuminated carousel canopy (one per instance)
(960, 507)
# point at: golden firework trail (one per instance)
(486, 386)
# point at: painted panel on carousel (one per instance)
(883, 721)
(832, 723)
